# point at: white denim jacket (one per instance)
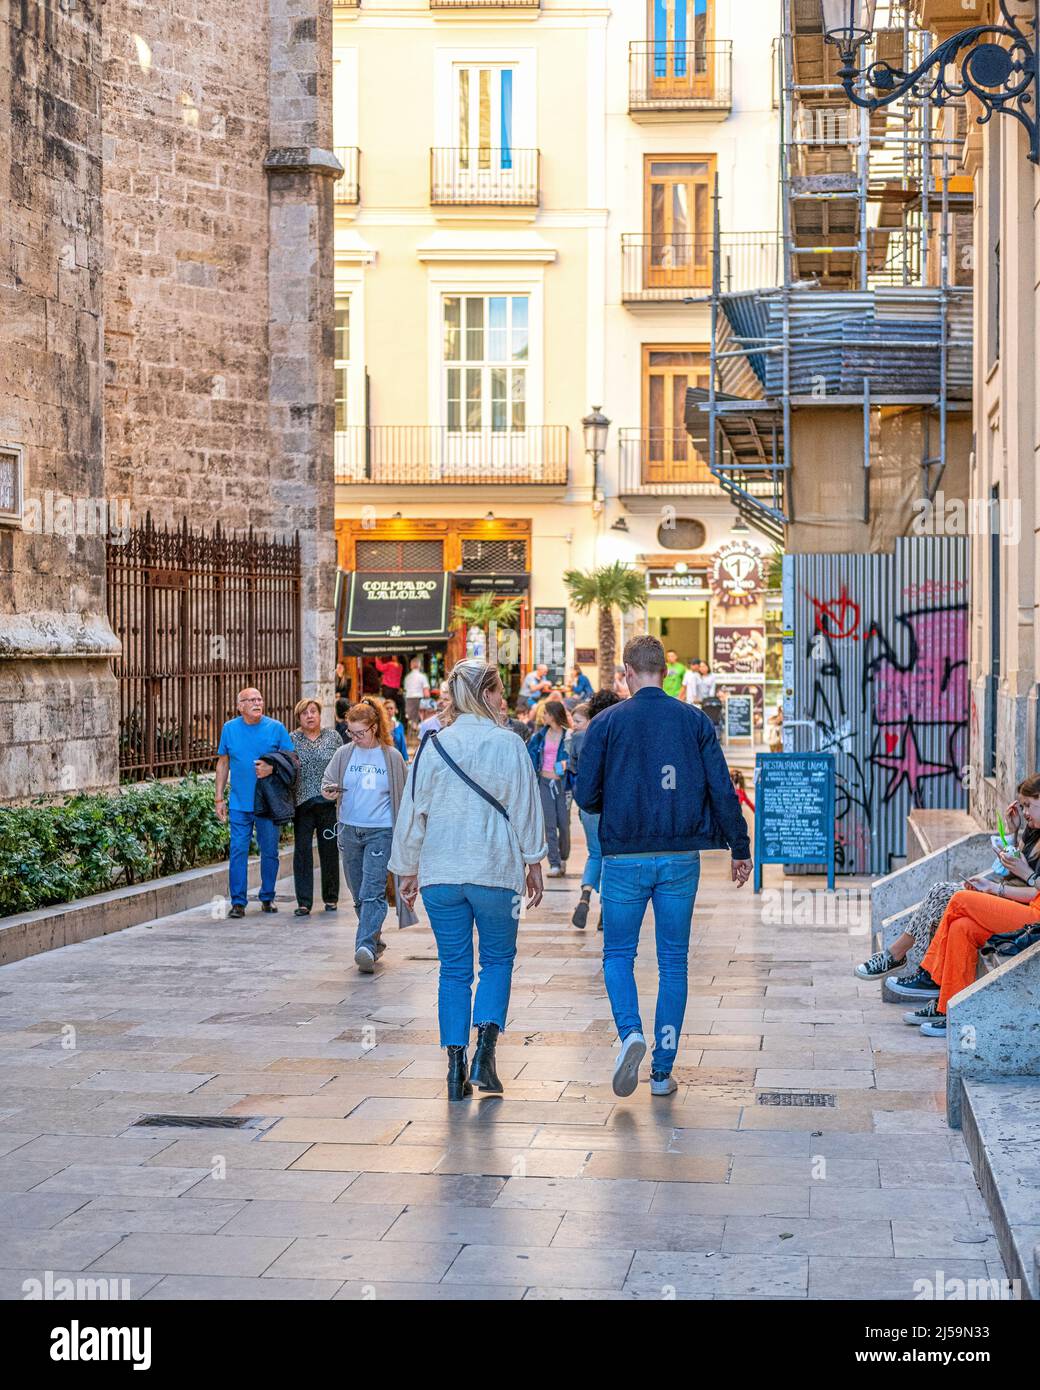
(446, 833)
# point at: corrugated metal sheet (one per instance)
(890, 336)
(879, 677)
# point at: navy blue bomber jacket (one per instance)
(653, 768)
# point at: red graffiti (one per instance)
(837, 617)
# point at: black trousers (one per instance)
(315, 817)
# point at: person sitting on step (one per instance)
(910, 946)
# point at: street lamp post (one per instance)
(596, 427)
(1001, 77)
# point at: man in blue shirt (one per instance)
(652, 767)
(242, 742)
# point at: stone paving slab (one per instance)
(356, 1179)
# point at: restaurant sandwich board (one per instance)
(794, 811)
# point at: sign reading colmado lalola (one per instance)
(397, 605)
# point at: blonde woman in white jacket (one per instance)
(470, 837)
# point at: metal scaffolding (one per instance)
(873, 311)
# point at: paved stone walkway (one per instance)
(359, 1180)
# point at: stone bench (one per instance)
(993, 1027)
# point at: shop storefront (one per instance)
(402, 582)
(712, 607)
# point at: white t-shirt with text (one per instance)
(366, 790)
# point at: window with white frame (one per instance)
(11, 483)
(483, 115)
(342, 360)
(485, 352)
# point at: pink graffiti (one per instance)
(935, 689)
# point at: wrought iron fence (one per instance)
(200, 616)
(680, 75)
(483, 176)
(660, 268)
(436, 454)
(348, 185)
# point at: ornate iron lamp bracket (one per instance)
(1002, 78)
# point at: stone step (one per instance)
(1001, 1121)
(930, 830)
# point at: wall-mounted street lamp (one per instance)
(596, 427)
(1002, 78)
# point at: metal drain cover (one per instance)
(196, 1122)
(822, 1098)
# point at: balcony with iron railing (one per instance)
(401, 455)
(662, 463)
(674, 267)
(347, 188)
(482, 176)
(689, 75)
(485, 4)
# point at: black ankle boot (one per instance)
(458, 1080)
(483, 1074)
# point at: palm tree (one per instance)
(483, 611)
(607, 588)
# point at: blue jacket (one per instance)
(536, 745)
(652, 766)
(582, 687)
(400, 742)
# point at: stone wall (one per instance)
(57, 695)
(218, 276)
(166, 177)
(185, 125)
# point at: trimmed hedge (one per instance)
(54, 853)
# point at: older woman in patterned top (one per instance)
(314, 815)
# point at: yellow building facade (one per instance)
(523, 233)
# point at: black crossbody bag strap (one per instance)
(468, 780)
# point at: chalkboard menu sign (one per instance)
(550, 641)
(739, 716)
(794, 811)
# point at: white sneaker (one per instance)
(554, 871)
(365, 960)
(626, 1071)
(663, 1087)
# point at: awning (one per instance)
(391, 611)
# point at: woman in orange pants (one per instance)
(971, 918)
(983, 908)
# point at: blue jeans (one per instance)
(242, 824)
(454, 909)
(365, 851)
(670, 883)
(593, 869)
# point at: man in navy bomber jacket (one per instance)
(653, 768)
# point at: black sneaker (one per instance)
(237, 910)
(878, 966)
(268, 907)
(581, 912)
(923, 1015)
(919, 985)
(934, 1027)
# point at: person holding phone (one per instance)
(985, 907)
(908, 949)
(470, 838)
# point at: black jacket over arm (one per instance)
(274, 795)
